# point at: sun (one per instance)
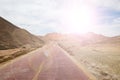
(79, 19)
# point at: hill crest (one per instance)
(12, 36)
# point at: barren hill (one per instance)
(12, 36)
(81, 39)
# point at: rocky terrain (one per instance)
(15, 41)
(12, 36)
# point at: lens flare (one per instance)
(79, 19)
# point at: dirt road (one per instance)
(47, 63)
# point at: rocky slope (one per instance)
(12, 36)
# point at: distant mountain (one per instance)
(112, 40)
(12, 36)
(81, 39)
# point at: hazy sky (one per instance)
(65, 16)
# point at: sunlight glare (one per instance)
(80, 19)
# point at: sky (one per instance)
(63, 16)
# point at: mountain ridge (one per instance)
(12, 36)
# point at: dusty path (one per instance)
(47, 63)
